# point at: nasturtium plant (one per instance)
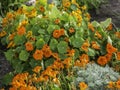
(46, 41)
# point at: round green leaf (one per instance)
(19, 39)
(62, 47)
(23, 56)
(53, 44)
(39, 44)
(76, 42)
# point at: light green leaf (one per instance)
(23, 56)
(106, 23)
(54, 13)
(39, 43)
(41, 31)
(51, 28)
(76, 42)
(53, 44)
(62, 47)
(109, 40)
(95, 24)
(9, 54)
(91, 52)
(79, 33)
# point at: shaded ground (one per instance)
(108, 10)
(4, 66)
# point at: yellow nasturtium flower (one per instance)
(30, 13)
(2, 33)
(29, 34)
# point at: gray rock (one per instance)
(108, 10)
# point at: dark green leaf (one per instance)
(34, 63)
(18, 40)
(7, 78)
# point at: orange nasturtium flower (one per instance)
(37, 69)
(66, 4)
(67, 62)
(46, 51)
(84, 58)
(102, 60)
(111, 84)
(57, 21)
(110, 27)
(83, 86)
(11, 37)
(29, 87)
(57, 65)
(29, 46)
(24, 22)
(21, 30)
(58, 33)
(95, 45)
(62, 32)
(118, 55)
(20, 11)
(4, 22)
(78, 63)
(42, 9)
(20, 80)
(117, 68)
(110, 48)
(71, 30)
(71, 52)
(85, 46)
(10, 15)
(91, 27)
(118, 84)
(98, 35)
(117, 34)
(56, 81)
(38, 55)
(56, 56)
(108, 56)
